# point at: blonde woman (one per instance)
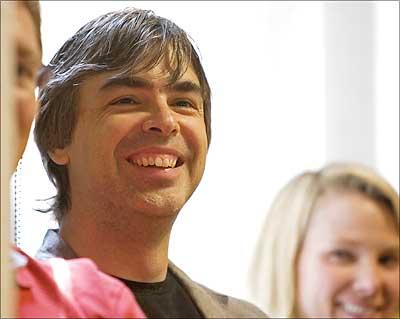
(330, 247)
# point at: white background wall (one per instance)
(266, 63)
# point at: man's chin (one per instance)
(160, 205)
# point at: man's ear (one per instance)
(59, 156)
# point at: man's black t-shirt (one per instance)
(166, 299)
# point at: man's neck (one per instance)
(137, 250)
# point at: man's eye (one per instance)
(183, 103)
(124, 100)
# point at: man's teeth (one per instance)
(158, 161)
(357, 310)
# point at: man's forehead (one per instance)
(160, 74)
(150, 78)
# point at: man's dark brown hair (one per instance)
(129, 41)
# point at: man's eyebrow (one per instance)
(137, 82)
(185, 87)
(127, 81)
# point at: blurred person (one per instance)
(55, 288)
(130, 106)
(330, 247)
(28, 61)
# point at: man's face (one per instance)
(28, 61)
(139, 145)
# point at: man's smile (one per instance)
(156, 157)
(162, 161)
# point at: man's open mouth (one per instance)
(159, 161)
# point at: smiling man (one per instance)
(123, 130)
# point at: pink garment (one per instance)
(59, 288)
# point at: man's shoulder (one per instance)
(234, 307)
(213, 304)
(54, 246)
(210, 303)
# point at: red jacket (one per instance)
(59, 288)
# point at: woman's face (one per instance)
(348, 266)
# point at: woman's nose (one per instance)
(369, 279)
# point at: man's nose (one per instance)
(369, 279)
(162, 120)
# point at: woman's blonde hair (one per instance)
(273, 274)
